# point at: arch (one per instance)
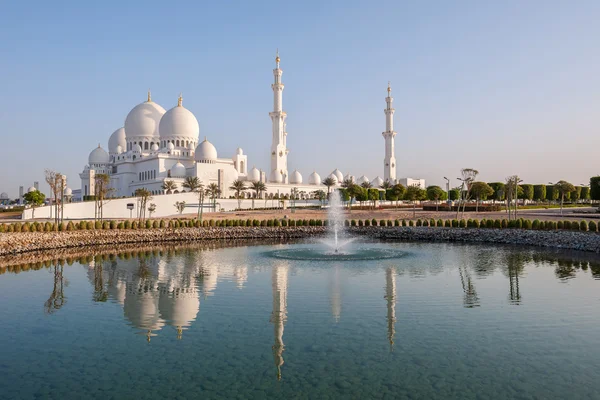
(187, 143)
(85, 192)
(145, 145)
(140, 176)
(177, 144)
(242, 166)
(134, 157)
(176, 191)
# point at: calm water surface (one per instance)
(440, 322)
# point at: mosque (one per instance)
(155, 145)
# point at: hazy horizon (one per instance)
(505, 88)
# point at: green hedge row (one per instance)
(194, 223)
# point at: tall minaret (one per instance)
(389, 163)
(279, 149)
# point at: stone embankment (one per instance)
(22, 242)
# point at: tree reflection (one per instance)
(57, 298)
(515, 263)
(470, 298)
(100, 292)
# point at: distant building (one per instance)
(406, 182)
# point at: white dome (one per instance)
(68, 192)
(119, 149)
(170, 146)
(334, 177)
(137, 148)
(377, 182)
(143, 121)
(276, 176)
(31, 189)
(314, 179)
(117, 139)
(362, 180)
(4, 196)
(98, 156)
(239, 151)
(350, 178)
(178, 170)
(254, 175)
(205, 151)
(154, 147)
(296, 177)
(179, 308)
(191, 146)
(179, 123)
(338, 174)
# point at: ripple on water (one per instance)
(326, 254)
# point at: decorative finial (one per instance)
(149, 96)
(205, 139)
(389, 87)
(180, 100)
(98, 145)
(277, 59)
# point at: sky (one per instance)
(507, 88)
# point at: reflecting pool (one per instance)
(433, 321)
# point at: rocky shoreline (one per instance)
(23, 242)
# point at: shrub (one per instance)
(360, 222)
(574, 226)
(97, 225)
(440, 223)
(299, 222)
(535, 224)
(403, 222)
(390, 223)
(346, 222)
(113, 224)
(560, 225)
(469, 223)
(134, 224)
(305, 222)
(462, 223)
(592, 227)
(383, 222)
(519, 223)
(447, 224)
(70, 226)
(284, 222)
(269, 222)
(432, 222)
(276, 222)
(397, 222)
(2, 228)
(497, 224)
(89, 225)
(583, 226)
(475, 223)
(489, 223)
(504, 223)
(10, 228)
(17, 227)
(455, 223)
(367, 222)
(155, 224)
(411, 223)
(255, 222)
(292, 222)
(425, 222)
(566, 225)
(120, 225)
(25, 227)
(161, 223)
(311, 222)
(527, 224)
(419, 222)
(319, 222)
(106, 225)
(353, 222)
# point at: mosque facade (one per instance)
(155, 145)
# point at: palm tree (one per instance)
(169, 186)
(258, 188)
(347, 183)
(366, 185)
(212, 190)
(193, 184)
(563, 188)
(238, 187)
(329, 182)
(386, 185)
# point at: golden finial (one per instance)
(180, 100)
(389, 87)
(179, 333)
(149, 96)
(98, 145)
(277, 59)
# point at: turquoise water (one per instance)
(439, 321)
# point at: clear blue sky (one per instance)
(508, 87)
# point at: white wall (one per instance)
(165, 207)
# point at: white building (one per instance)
(406, 182)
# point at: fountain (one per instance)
(335, 216)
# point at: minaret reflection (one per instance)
(390, 296)
(57, 297)
(336, 295)
(279, 281)
(470, 299)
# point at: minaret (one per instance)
(390, 296)
(279, 281)
(389, 163)
(279, 149)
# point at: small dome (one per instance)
(178, 170)
(338, 174)
(206, 151)
(170, 146)
(4, 196)
(362, 180)
(254, 175)
(239, 151)
(334, 177)
(143, 120)
(350, 178)
(296, 177)
(377, 182)
(314, 179)
(119, 149)
(191, 146)
(98, 156)
(154, 147)
(68, 191)
(31, 189)
(137, 148)
(117, 139)
(179, 123)
(276, 176)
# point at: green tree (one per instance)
(329, 182)
(213, 191)
(499, 191)
(239, 187)
(366, 185)
(413, 194)
(180, 206)
(435, 193)
(194, 184)
(528, 192)
(361, 194)
(373, 196)
(151, 209)
(585, 193)
(143, 196)
(563, 187)
(481, 191)
(386, 185)
(34, 199)
(539, 192)
(347, 183)
(258, 187)
(102, 191)
(454, 194)
(320, 195)
(576, 195)
(552, 193)
(468, 177)
(398, 191)
(169, 186)
(595, 187)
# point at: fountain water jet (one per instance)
(335, 216)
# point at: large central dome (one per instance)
(142, 121)
(179, 126)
